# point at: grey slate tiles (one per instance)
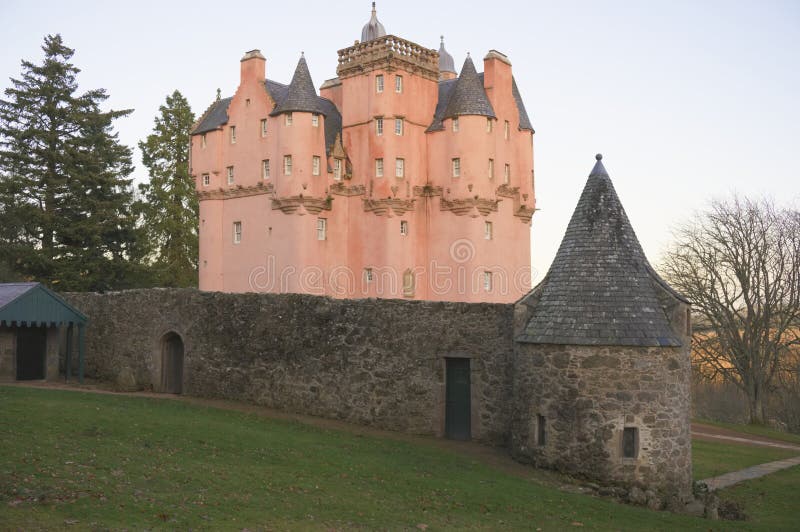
(600, 288)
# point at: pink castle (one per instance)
(401, 179)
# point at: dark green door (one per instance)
(31, 349)
(457, 405)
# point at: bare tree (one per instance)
(739, 264)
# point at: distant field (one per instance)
(756, 430)
(103, 461)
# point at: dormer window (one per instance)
(315, 120)
(337, 169)
(379, 83)
(288, 118)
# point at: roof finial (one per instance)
(373, 7)
(599, 169)
(599, 156)
(442, 38)
(219, 94)
(302, 53)
(468, 54)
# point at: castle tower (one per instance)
(602, 357)
(400, 179)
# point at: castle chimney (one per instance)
(254, 67)
(496, 75)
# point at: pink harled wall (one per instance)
(446, 248)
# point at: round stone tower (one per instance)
(602, 358)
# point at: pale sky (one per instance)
(687, 100)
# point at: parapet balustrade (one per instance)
(385, 46)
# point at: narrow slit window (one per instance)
(230, 175)
(233, 134)
(630, 442)
(506, 173)
(491, 168)
(488, 230)
(541, 434)
(506, 130)
(265, 169)
(237, 232)
(487, 281)
(263, 127)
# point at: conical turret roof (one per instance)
(372, 29)
(469, 97)
(300, 95)
(600, 289)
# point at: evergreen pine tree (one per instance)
(170, 208)
(65, 200)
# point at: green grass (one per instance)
(756, 430)
(710, 459)
(770, 501)
(103, 461)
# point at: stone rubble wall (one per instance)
(374, 361)
(588, 395)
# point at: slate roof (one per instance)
(217, 115)
(468, 96)
(446, 93)
(301, 96)
(446, 63)
(600, 288)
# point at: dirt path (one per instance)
(709, 432)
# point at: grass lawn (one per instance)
(756, 430)
(771, 500)
(710, 459)
(101, 461)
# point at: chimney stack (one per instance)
(254, 67)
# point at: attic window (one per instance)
(630, 442)
(315, 120)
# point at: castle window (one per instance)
(368, 275)
(456, 167)
(247, 102)
(455, 124)
(409, 283)
(630, 442)
(379, 125)
(315, 165)
(398, 126)
(506, 130)
(237, 232)
(233, 134)
(487, 230)
(315, 120)
(398, 83)
(206, 180)
(378, 167)
(487, 281)
(399, 167)
(287, 165)
(379, 83)
(263, 127)
(322, 229)
(288, 119)
(506, 173)
(265, 169)
(230, 175)
(337, 169)
(541, 435)
(203, 141)
(403, 227)
(491, 168)
(489, 125)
